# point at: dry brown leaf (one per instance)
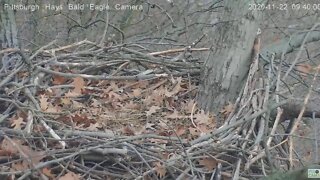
(65, 101)
(5, 153)
(208, 163)
(78, 84)
(133, 106)
(23, 74)
(166, 155)
(70, 176)
(141, 84)
(148, 100)
(71, 94)
(150, 126)
(114, 86)
(58, 80)
(34, 156)
(95, 103)
(170, 103)
(156, 97)
(117, 105)
(54, 92)
(177, 88)
(114, 96)
(202, 117)
(175, 115)
(78, 105)
(8, 147)
(136, 92)
(97, 112)
(163, 124)
(43, 102)
(194, 131)
(20, 166)
(160, 169)
(180, 130)
(94, 127)
(304, 69)
(81, 119)
(16, 123)
(22, 114)
(128, 131)
(48, 173)
(227, 109)
(203, 128)
(308, 156)
(188, 106)
(153, 109)
(29, 157)
(53, 109)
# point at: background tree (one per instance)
(8, 37)
(226, 68)
(8, 27)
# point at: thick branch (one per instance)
(286, 45)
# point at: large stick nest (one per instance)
(244, 147)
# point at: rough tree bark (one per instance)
(8, 39)
(8, 30)
(8, 35)
(226, 69)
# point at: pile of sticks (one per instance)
(242, 148)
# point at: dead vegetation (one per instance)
(86, 111)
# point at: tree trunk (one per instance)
(8, 36)
(8, 39)
(8, 30)
(226, 69)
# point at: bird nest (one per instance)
(44, 138)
